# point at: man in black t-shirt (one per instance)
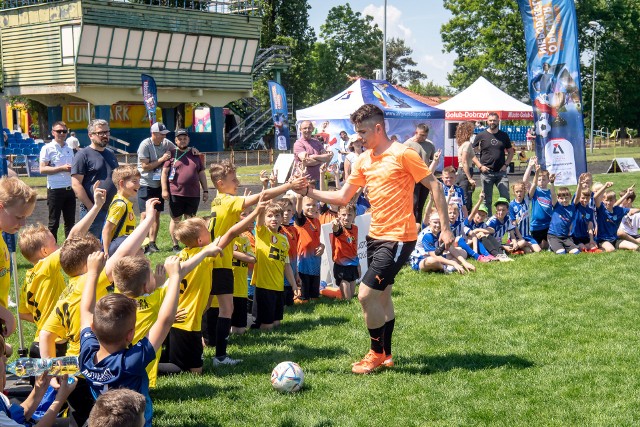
(492, 146)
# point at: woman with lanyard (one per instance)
(182, 176)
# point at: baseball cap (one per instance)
(181, 132)
(483, 208)
(159, 128)
(501, 200)
(354, 137)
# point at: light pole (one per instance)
(597, 30)
(384, 43)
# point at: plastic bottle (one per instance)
(28, 367)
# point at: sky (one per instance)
(418, 22)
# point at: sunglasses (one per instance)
(60, 130)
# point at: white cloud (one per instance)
(395, 25)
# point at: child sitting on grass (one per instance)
(609, 215)
(454, 193)
(628, 229)
(519, 211)
(562, 217)
(541, 208)
(344, 245)
(583, 228)
(118, 408)
(480, 235)
(121, 220)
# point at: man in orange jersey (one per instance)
(389, 170)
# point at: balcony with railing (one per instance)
(234, 7)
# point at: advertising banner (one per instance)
(553, 66)
(280, 115)
(149, 96)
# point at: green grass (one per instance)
(544, 340)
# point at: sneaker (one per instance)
(448, 269)
(176, 248)
(388, 361)
(369, 363)
(300, 301)
(226, 360)
(152, 247)
(503, 258)
(484, 258)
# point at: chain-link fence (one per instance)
(239, 158)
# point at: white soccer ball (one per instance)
(542, 127)
(287, 377)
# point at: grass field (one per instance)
(544, 340)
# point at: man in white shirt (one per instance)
(56, 159)
(73, 142)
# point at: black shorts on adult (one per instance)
(385, 259)
(145, 193)
(185, 348)
(221, 281)
(581, 240)
(269, 305)
(540, 235)
(557, 243)
(180, 205)
(348, 273)
(239, 316)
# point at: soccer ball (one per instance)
(287, 377)
(542, 126)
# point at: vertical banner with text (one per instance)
(553, 67)
(149, 96)
(280, 115)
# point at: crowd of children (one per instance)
(121, 317)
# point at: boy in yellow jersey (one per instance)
(44, 283)
(17, 201)
(185, 339)
(121, 220)
(242, 256)
(225, 212)
(272, 266)
(389, 171)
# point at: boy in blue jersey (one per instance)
(609, 215)
(562, 217)
(454, 193)
(583, 228)
(480, 235)
(427, 257)
(500, 225)
(541, 208)
(519, 211)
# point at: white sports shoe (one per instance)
(503, 258)
(226, 361)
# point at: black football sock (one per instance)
(388, 331)
(377, 339)
(222, 336)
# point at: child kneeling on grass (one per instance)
(561, 219)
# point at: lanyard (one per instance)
(181, 155)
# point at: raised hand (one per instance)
(172, 266)
(96, 262)
(99, 195)
(150, 207)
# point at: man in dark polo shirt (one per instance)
(492, 146)
(182, 176)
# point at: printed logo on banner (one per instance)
(559, 155)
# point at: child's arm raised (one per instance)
(552, 187)
(527, 172)
(169, 307)
(474, 211)
(133, 242)
(239, 227)
(597, 197)
(435, 161)
(624, 197)
(82, 227)
(95, 264)
(427, 211)
(296, 184)
(532, 188)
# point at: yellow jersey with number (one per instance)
(121, 207)
(194, 291)
(272, 253)
(241, 268)
(42, 287)
(225, 213)
(5, 273)
(64, 320)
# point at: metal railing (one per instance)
(234, 7)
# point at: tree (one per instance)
(351, 47)
(429, 89)
(38, 112)
(488, 38)
(399, 62)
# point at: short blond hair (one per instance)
(187, 231)
(31, 240)
(124, 173)
(219, 171)
(14, 191)
(74, 251)
(131, 274)
(274, 208)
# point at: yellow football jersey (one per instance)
(194, 291)
(146, 316)
(43, 285)
(121, 207)
(5, 273)
(225, 213)
(240, 268)
(272, 253)
(64, 320)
